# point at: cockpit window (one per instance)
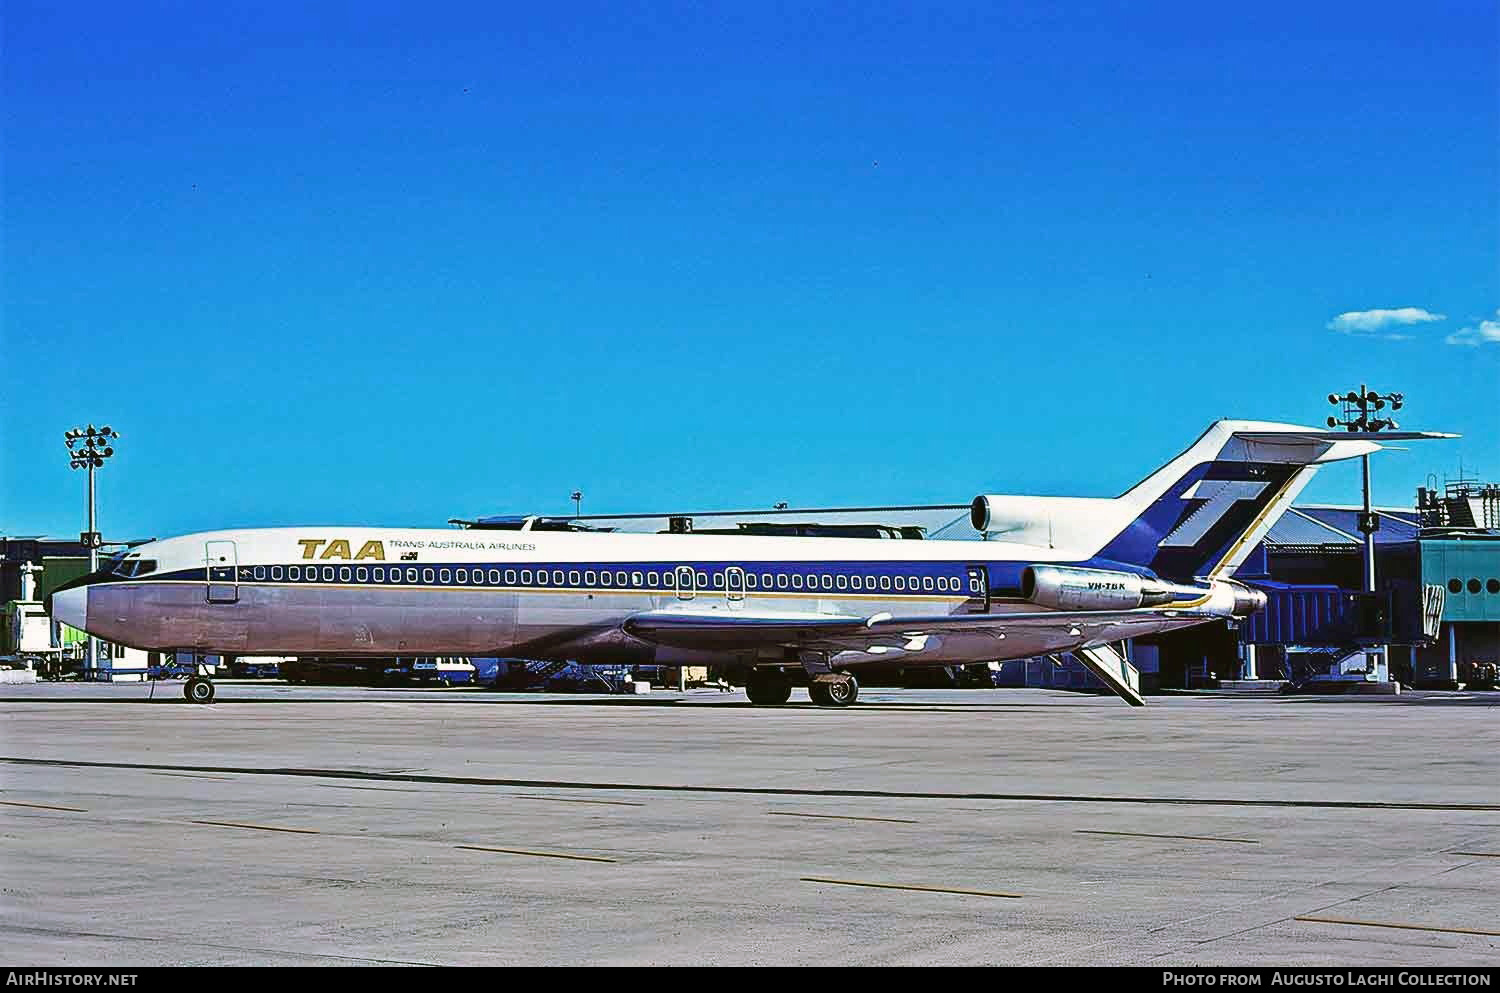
(133, 568)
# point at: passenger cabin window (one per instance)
(462, 575)
(275, 572)
(574, 577)
(590, 577)
(345, 574)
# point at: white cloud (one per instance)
(1487, 333)
(1371, 321)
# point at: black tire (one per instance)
(839, 693)
(768, 690)
(199, 690)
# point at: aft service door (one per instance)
(223, 572)
(979, 588)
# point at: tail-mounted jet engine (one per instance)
(1068, 588)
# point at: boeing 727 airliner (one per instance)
(1058, 574)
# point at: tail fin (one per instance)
(1199, 515)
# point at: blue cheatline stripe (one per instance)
(903, 577)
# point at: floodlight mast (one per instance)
(1357, 409)
(89, 448)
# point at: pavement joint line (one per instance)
(1390, 924)
(1173, 837)
(840, 817)
(565, 799)
(769, 790)
(257, 827)
(917, 887)
(1483, 855)
(542, 855)
(43, 806)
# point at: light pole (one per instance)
(88, 448)
(577, 499)
(1360, 415)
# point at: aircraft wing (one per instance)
(1088, 634)
(1059, 630)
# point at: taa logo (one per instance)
(339, 549)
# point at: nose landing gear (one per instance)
(199, 689)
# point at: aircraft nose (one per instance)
(71, 607)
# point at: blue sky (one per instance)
(388, 264)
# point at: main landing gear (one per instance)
(828, 689)
(770, 688)
(835, 689)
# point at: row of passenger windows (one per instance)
(592, 578)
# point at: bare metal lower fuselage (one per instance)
(291, 620)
